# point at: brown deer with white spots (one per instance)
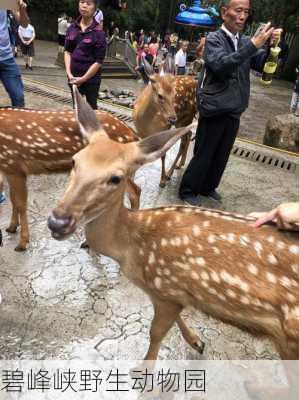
(181, 256)
(43, 142)
(168, 100)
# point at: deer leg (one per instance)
(165, 315)
(133, 191)
(174, 164)
(185, 146)
(163, 173)
(19, 199)
(191, 338)
(14, 221)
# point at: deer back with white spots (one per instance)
(35, 142)
(182, 256)
(166, 101)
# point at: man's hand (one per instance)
(286, 216)
(276, 35)
(263, 36)
(22, 4)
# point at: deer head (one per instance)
(101, 169)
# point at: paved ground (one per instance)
(61, 302)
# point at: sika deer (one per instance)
(167, 100)
(182, 256)
(43, 142)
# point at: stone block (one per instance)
(282, 131)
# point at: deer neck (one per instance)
(116, 234)
(147, 113)
(108, 234)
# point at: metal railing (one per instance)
(122, 49)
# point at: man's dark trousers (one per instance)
(214, 140)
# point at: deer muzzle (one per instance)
(172, 120)
(61, 227)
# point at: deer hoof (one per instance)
(11, 229)
(20, 248)
(199, 346)
(162, 184)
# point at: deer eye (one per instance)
(161, 98)
(114, 180)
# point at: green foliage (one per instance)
(282, 13)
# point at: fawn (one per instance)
(182, 256)
(167, 100)
(43, 142)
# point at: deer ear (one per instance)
(86, 116)
(155, 146)
(153, 80)
(169, 66)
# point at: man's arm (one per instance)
(224, 64)
(21, 15)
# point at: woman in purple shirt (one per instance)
(85, 48)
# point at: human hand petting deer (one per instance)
(285, 216)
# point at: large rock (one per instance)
(283, 131)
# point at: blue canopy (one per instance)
(196, 16)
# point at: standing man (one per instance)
(228, 58)
(10, 75)
(181, 59)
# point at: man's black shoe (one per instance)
(194, 201)
(213, 195)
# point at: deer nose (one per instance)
(59, 225)
(172, 120)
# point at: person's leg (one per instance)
(11, 78)
(143, 74)
(181, 71)
(91, 91)
(293, 102)
(297, 104)
(208, 136)
(30, 54)
(221, 155)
